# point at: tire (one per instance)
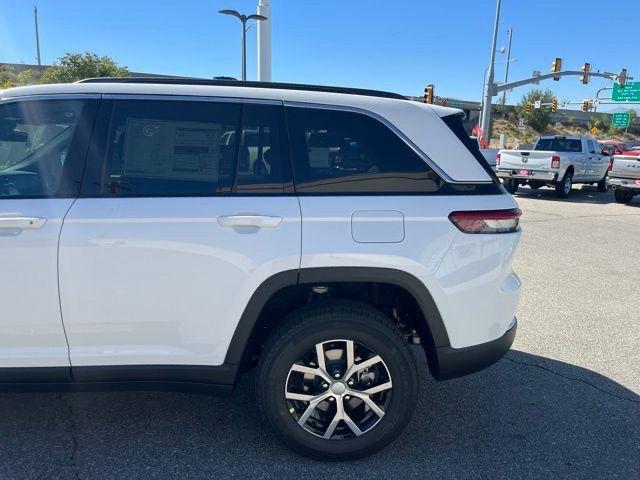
(602, 184)
(332, 324)
(511, 185)
(623, 196)
(563, 188)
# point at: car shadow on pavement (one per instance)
(583, 194)
(525, 417)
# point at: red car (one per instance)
(619, 148)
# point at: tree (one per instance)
(538, 118)
(76, 66)
(7, 78)
(28, 77)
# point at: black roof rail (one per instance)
(239, 83)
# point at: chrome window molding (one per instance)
(51, 96)
(189, 98)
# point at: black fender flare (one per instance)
(268, 288)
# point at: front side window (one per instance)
(164, 148)
(347, 152)
(35, 147)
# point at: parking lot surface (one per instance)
(565, 402)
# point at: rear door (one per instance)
(43, 143)
(176, 227)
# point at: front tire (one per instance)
(337, 381)
(563, 189)
(623, 196)
(602, 184)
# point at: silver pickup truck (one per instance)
(555, 161)
(624, 177)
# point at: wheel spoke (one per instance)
(351, 424)
(307, 413)
(362, 365)
(311, 371)
(332, 426)
(373, 406)
(378, 388)
(320, 354)
(350, 355)
(299, 396)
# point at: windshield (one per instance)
(559, 144)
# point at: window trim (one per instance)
(80, 141)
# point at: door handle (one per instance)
(22, 223)
(259, 221)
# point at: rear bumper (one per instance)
(626, 183)
(455, 362)
(540, 175)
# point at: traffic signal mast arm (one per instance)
(578, 73)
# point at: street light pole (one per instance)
(506, 68)
(488, 92)
(243, 19)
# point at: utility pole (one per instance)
(264, 41)
(489, 87)
(35, 16)
(506, 68)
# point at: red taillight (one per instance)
(610, 165)
(487, 221)
(555, 161)
(498, 159)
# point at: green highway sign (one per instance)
(629, 93)
(620, 119)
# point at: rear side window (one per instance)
(559, 145)
(41, 153)
(187, 148)
(347, 152)
(163, 148)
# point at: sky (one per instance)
(399, 45)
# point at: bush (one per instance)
(538, 118)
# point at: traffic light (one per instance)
(529, 107)
(585, 106)
(556, 67)
(622, 77)
(586, 68)
(428, 94)
(554, 105)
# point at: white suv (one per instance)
(176, 233)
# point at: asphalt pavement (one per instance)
(565, 402)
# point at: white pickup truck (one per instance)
(555, 161)
(624, 177)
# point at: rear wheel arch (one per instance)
(286, 291)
